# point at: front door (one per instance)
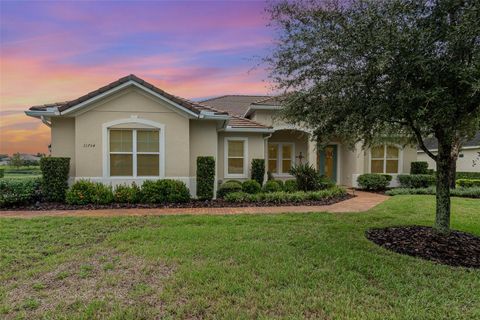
(327, 162)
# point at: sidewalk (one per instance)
(362, 202)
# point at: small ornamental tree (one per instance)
(374, 70)
(258, 170)
(54, 177)
(205, 177)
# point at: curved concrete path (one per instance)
(362, 202)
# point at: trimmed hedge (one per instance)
(416, 180)
(468, 183)
(290, 186)
(164, 191)
(86, 192)
(205, 177)
(258, 170)
(127, 194)
(419, 167)
(228, 187)
(467, 175)
(251, 186)
(286, 197)
(473, 192)
(17, 192)
(273, 186)
(2, 173)
(54, 177)
(374, 181)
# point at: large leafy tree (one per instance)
(373, 70)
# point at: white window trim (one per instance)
(280, 145)
(400, 159)
(245, 158)
(106, 147)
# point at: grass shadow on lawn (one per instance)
(247, 266)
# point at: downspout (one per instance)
(45, 121)
(265, 155)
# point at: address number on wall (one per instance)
(89, 145)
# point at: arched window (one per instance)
(385, 159)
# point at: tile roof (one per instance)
(270, 101)
(190, 105)
(235, 105)
(240, 122)
(432, 143)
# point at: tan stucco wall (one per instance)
(128, 103)
(255, 151)
(203, 142)
(464, 163)
(63, 140)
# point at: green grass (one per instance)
(290, 266)
(22, 172)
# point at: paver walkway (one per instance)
(362, 202)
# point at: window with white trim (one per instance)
(236, 156)
(281, 157)
(385, 159)
(134, 152)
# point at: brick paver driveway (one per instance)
(362, 202)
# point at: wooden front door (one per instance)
(327, 162)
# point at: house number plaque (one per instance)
(89, 145)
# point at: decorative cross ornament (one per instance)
(300, 157)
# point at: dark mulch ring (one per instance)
(457, 248)
(218, 203)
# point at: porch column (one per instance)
(312, 152)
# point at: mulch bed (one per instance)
(454, 249)
(218, 203)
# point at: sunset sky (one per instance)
(56, 51)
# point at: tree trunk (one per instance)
(453, 174)
(444, 167)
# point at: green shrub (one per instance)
(2, 173)
(290, 186)
(164, 191)
(280, 197)
(416, 180)
(127, 194)
(258, 170)
(306, 176)
(419, 167)
(228, 187)
(467, 175)
(86, 192)
(272, 186)
(468, 183)
(251, 186)
(205, 177)
(374, 181)
(324, 182)
(237, 196)
(54, 177)
(473, 192)
(16, 192)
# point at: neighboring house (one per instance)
(468, 159)
(130, 131)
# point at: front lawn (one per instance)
(247, 266)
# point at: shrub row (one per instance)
(416, 180)
(374, 181)
(286, 197)
(467, 175)
(17, 192)
(473, 192)
(468, 183)
(253, 187)
(152, 191)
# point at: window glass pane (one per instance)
(120, 140)
(287, 151)
(235, 148)
(147, 140)
(121, 165)
(392, 166)
(235, 166)
(392, 152)
(286, 166)
(377, 166)
(377, 152)
(272, 166)
(147, 165)
(272, 151)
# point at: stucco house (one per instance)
(130, 130)
(468, 159)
